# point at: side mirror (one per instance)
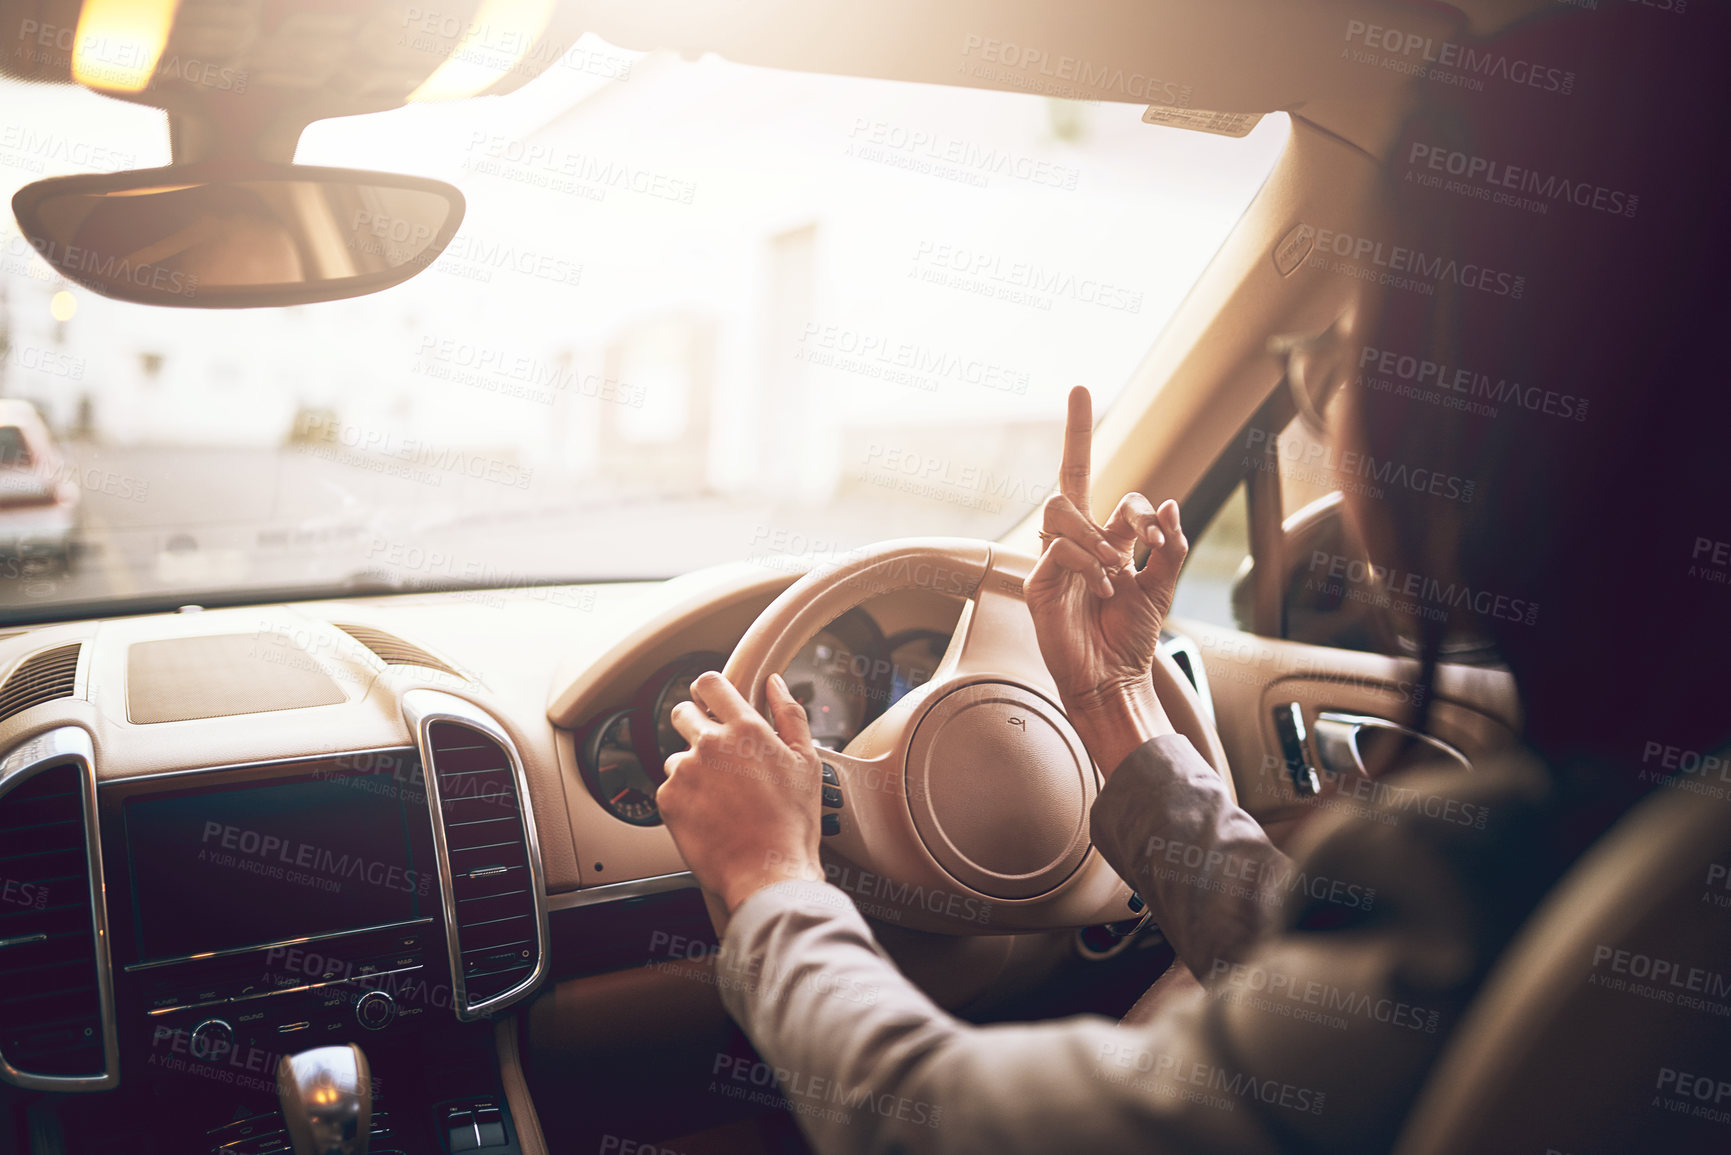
(238, 234)
(1332, 597)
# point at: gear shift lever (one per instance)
(327, 1100)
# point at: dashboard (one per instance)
(369, 820)
(382, 820)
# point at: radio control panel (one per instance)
(289, 997)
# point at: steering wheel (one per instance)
(964, 806)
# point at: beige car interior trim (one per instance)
(1196, 60)
(1234, 56)
(530, 1140)
(614, 891)
(695, 610)
(1268, 543)
(1473, 708)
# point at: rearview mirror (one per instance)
(226, 235)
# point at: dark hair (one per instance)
(1590, 269)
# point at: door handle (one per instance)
(1294, 748)
(1337, 740)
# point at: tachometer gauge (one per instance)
(914, 657)
(615, 774)
(839, 677)
(667, 687)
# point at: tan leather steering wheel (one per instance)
(964, 805)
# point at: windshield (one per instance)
(697, 312)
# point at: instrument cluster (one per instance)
(844, 677)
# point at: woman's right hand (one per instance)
(1098, 617)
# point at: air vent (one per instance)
(41, 677)
(393, 651)
(50, 1001)
(493, 906)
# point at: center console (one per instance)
(388, 898)
(281, 911)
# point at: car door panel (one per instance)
(1472, 709)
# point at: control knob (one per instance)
(375, 1010)
(211, 1040)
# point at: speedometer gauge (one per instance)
(668, 687)
(615, 774)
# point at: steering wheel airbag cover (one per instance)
(997, 790)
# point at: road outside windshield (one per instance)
(697, 312)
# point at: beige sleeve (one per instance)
(1205, 868)
(868, 1063)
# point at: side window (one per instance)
(1218, 556)
(1326, 592)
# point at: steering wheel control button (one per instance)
(832, 824)
(1136, 903)
(832, 796)
(999, 787)
(829, 775)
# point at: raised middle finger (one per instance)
(1075, 474)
